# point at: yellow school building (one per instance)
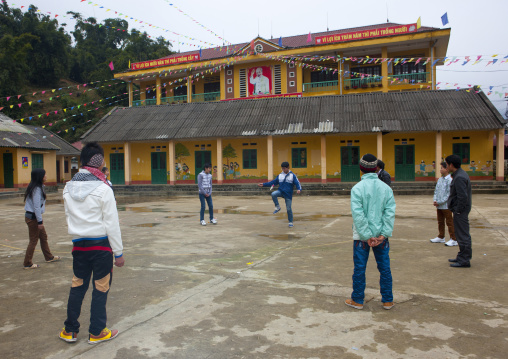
(319, 101)
(24, 148)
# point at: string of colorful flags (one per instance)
(117, 82)
(73, 128)
(150, 25)
(197, 22)
(123, 29)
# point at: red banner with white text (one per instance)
(164, 62)
(366, 34)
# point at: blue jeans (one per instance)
(278, 193)
(208, 199)
(360, 257)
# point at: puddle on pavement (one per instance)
(186, 216)
(145, 225)
(281, 237)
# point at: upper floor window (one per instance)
(408, 68)
(212, 87)
(322, 76)
(366, 70)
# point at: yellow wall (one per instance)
(282, 147)
(481, 151)
(424, 142)
(240, 172)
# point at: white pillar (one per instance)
(439, 152)
(172, 168)
(500, 155)
(323, 158)
(269, 144)
(220, 173)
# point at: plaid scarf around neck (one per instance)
(97, 173)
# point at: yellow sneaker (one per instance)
(105, 335)
(353, 304)
(70, 337)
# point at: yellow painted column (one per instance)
(384, 69)
(323, 158)
(130, 94)
(299, 78)
(220, 173)
(269, 145)
(127, 163)
(189, 89)
(172, 168)
(500, 155)
(62, 168)
(222, 89)
(158, 90)
(439, 152)
(380, 146)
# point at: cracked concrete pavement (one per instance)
(250, 287)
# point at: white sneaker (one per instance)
(203, 223)
(451, 243)
(437, 240)
(214, 221)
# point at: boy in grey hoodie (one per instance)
(205, 194)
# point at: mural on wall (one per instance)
(260, 81)
(478, 169)
(181, 168)
(231, 170)
(425, 170)
(473, 169)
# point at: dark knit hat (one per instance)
(284, 164)
(368, 163)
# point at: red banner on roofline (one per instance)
(164, 62)
(366, 34)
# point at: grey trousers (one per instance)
(461, 224)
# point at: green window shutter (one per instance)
(37, 160)
(299, 157)
(250, 159)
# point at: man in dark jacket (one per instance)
(382, 174)
(459, 203)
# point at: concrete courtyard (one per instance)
(250, 287)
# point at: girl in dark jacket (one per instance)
(35, 204)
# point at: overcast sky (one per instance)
(477, 27)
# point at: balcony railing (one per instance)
(366, 82)
(407, 79)
(174, 99)
(205, 97)
(320, 86)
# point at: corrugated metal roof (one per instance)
(15, 135)
(448, 110)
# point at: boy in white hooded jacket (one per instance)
(92, 219)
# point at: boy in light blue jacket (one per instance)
(373, 212)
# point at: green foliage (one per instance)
(36, 53)
(228, 152)
(181, 152)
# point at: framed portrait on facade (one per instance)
(260, 81)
